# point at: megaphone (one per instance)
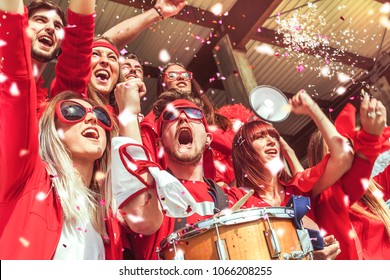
(269, 103)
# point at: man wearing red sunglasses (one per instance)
(183, 192)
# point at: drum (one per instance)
(246, 234)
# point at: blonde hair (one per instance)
(379, 210)
(66, 181)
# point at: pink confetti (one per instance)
(102, 202)
(300, 68)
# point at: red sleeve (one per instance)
(383, 179)
(306, 179)
(73, 70)
(354, 181)
(222, 140)
(18, 121)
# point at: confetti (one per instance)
(24, 241)
(275, 165)
(164, 56)
(14, 90)
(3, 78)
(23, 152)
(60, 133)
(217, 9)
(40, 196)
(99, 176)
(341, 90)
(265, 49)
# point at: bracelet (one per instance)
(159, 12)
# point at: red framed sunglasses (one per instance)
(171, 115)
(70, 112)
(173, 75)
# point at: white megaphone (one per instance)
(269, 103)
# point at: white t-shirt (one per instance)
(80, 242)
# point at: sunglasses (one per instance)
(72, 112)
(173, 75)
(191, 113)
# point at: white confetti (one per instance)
(217, 9)
(164, 56)
(3, 78)
(14, 90)
(265, 49)
(275, 165)
(24, 241)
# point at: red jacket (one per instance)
(360, 237)
(31, 215)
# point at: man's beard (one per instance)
(44, 57)
(193, 157)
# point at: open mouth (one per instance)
(91, 133)
(185, 136)
(46, 40)
(131, 76)
(102, 75)
(181, 84)
(272, 152)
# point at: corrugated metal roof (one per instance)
(351, 25)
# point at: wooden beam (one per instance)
(245, 17)
(204, 65)
(271, 37)
(189, 13)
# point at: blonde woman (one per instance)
(54, 200)
(354, 208)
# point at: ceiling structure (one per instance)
(330, 48)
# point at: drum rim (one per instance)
(187, 232)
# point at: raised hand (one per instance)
(169, 8)
(301, 103)
(128, 95)
(372, 115)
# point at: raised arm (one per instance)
(341, 157)
(354, 182)
(73, 69)
(140, 207)
(12, 6)
(129, 29)
(18, 121)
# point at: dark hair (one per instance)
(35, 5)
(212, 117)
(134, 57)
(171, 95)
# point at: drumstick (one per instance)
(241, 201)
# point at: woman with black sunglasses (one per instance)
(54, 200)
